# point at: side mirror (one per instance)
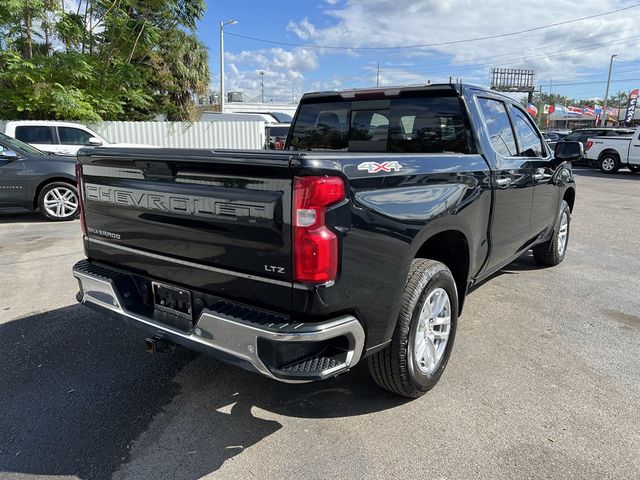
(9, 155)
(569, 151)
(95, 141)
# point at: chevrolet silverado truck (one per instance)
(612, 153)
(360, 240)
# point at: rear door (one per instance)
(40, 136)
(216, 222)
(12, 180)
(513, 184)
(545, 192)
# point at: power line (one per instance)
(438, 44)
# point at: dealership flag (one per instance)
(631, 106)
(533, 111)
(546, 109)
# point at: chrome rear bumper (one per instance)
(237, 340)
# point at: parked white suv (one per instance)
(61, 138)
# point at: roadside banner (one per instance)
(631, 106)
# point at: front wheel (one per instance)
(423, 338)
(58, 201)
(552, 252)
(609, 164)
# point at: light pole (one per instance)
(222, 25)
(603, 120)
(262, 86)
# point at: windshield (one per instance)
(19, 146)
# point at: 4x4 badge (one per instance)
(374, 167)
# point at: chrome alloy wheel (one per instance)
(432, 332)
(608, 164)
(61, 202)
(563, 232)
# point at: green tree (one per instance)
(105, 59)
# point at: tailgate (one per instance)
(215, 221)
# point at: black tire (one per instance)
(65, 212)
(549, 254)
(609, 163)
(634, 168)
(395, 368)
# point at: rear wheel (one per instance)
(609, 163)
(423, 338)
(58, 201)
(552, 253)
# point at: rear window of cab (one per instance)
(435, 124)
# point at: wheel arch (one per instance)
(570, 197)
(47, 181)
(609, 151)
(450, 247)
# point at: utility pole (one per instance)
(222, 25)
(262, 86)
(603, 119)
(378, 76)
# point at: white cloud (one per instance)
(283, 71)
(558, 52)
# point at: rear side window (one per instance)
(73, 136)
(402, 125)
(499, 127)
(34, 134)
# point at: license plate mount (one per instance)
(172, 305)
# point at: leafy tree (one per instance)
(105, 59)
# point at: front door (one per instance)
(634, 149)
(545, 191)
(510, 229)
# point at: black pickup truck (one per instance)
(361, 239)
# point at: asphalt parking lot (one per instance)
(544, 381)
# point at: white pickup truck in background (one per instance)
(612, 153)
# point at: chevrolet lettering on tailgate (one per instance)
(181, 204)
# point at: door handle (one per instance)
(503, 182)
(538, 177)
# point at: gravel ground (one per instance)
(543, 381)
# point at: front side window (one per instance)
(73, 136)
(499, 128)
(530, 142)
(34, 134)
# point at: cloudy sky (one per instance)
(305, 45)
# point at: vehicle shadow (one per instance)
(21, 216)
(78, 393)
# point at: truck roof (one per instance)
(394, 91)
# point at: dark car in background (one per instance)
(34, 180)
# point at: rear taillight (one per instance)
(588, 145)
(315, 247)
(80, 184)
